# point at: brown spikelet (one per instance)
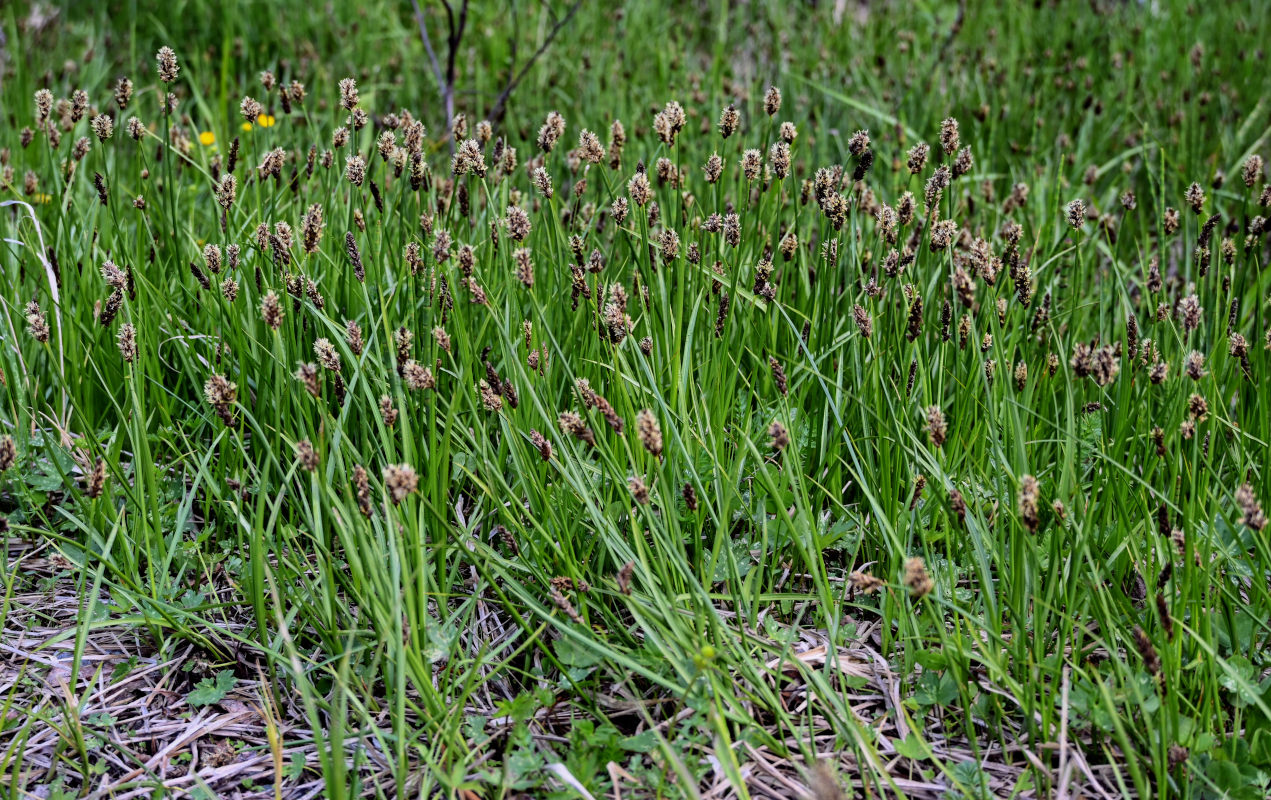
(639, 489)
(624, 577)
(779, 376)
(937, 427)
(566, 607)
(1247, 500)
(355, 257)
(8, 452)
(920, 484)
(1028, 495)
(543, 445)
(779, 436)
(306, 455)
(400, 480)
(1162, 611)
(509, 541)
(864, 583)
(572, 425)
(388, 411)
(913, 328)
(721, 315)
(362, 489)
(690, 497)
(1178, 755)
(221, 394)
(649, 431)
(957, 504)
(1147, 652)
(307, 374)
(94, 477)
(917, 579)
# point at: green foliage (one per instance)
(406, 565)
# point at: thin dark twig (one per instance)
(497, 111)
(456, 36)
(432, 55)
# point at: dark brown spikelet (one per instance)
(863, 321)
(221, 394)
(937, 428)
(167, 61)
(913, 328)
(920, 485)
(94, 477)
(649, 432)
(355, 257)
(917, 579)
(362, 490)
(542, 443)
(864, 583)
(729, 120)
(639, 489)
(594, 399)
(779, 376)
(572, 425)
(403, 339)
(1178, 755)
(779, 436)
(566, 607)
(1147, 652)
(1162, 520)
(111, 308)
(388, 411)
(1194, 365)
(690, 497)
(772, 101)
(1198, 408)
(306, 456)
(271, 310)
(1162, 611)
(8, 452)
(200, 276)
(311, 226)
(722, 314)
(624, 577)
(307, 374)
(353, 337)
(100, 184)
(509, 541)
(918, 157)
(400, 480)
(957, 504)
(1028, 496)
(1247, 500)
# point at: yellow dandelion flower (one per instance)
(207, 138)
(247, 126)
(265, 121)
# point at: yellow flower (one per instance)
(41, 199)
(265, 121)
(207, 138)
(247, 126)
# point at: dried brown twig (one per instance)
(457, 25)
